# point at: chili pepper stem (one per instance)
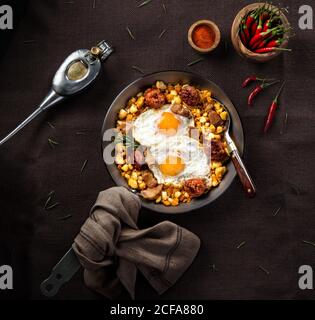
(268, 84)
(279, 92)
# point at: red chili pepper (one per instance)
(272, 110)
(255, 22)
(271, 49)
(275, 43)
(253, 78)
(262, 35)
(261, 43)
(250, 19)
(254, 28)
(267, 25)
(243, 37)
(260, 25)
(257, 90)
(246, 32)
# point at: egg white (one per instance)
(197, 164)
(147, 132)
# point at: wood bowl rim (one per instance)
(237, 41)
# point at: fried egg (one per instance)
(155, 125)
(179, 159)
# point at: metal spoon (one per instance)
(76, 73)
(246, 180)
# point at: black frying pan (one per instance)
(201, 83)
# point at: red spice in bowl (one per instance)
(204, 36)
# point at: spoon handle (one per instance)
(243, 174)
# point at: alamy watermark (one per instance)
(6, 278)
(306, 278)
(306, 17)
(6, 17)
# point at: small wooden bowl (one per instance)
(238, 44)
(215, 29)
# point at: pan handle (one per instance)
(63, 272)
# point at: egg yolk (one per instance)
(172, 166)
(168, 124)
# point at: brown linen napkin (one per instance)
(111, 247)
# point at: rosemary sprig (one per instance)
(144, 3)
(241, 245)
(264, 270)
(53, 143)
(214, 268)
(285, 121)
(51, 193)
(80, 133)
(194, 62)
(164, 8)
(51, 125)
(130, 33)
(277, 211)
(48, 201)
(65, 217)
(83, 166)
(29, 41)
(309, 242)
(52, 206)
(127, 141)
(138, 69)
(162, 33)
(296, 190)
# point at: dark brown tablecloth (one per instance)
(282, 165)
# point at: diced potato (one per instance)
(215, 164)
(212, 128)
(223, 115)
(219, 172)
(219, 129)
(125, 168)
(122, 114)
(159, 199)
(161, 85)
(133, 183)
(139, 103)
(134, 175)
(177, 100)
(164, 195)
(133, 109)
(177, 194)
(129, 117)
(202, 120)
(217, 106)
(142, 185)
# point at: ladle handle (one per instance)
(246, 180)
(21, 126)
(50, 100)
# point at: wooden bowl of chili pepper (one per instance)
(260, 32)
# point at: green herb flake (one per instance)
(194, 62)
(144, 3)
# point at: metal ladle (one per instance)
(75, 74)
